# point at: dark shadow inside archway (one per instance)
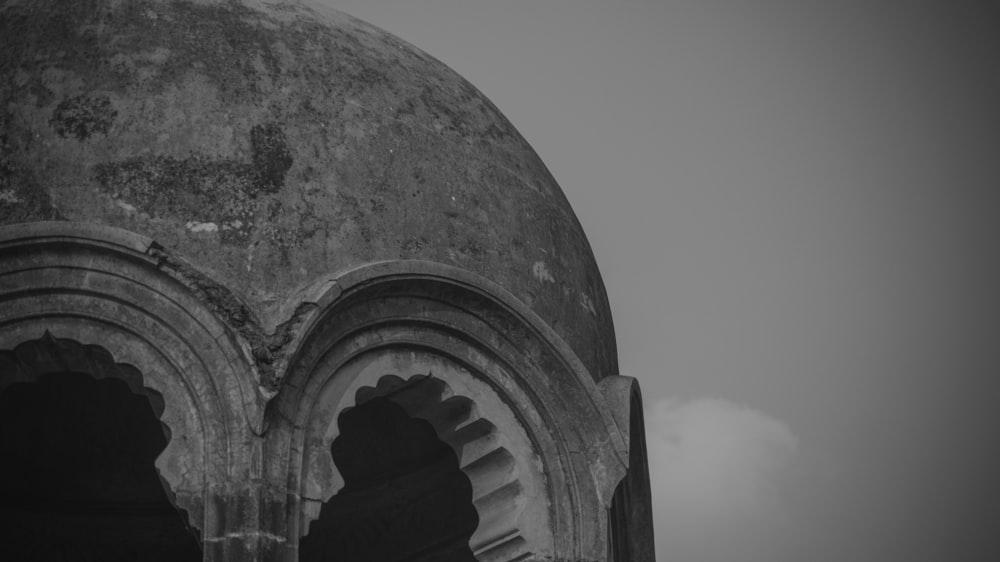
(404, 499)
(77, 479)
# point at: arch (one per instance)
(498, 492)
(97, 285)
(405, 496)
(36, 362)
(486, 346)
(501, 484)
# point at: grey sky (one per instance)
(794, 206)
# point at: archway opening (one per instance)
(404, 496)
(78, 480)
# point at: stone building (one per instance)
(276, 285)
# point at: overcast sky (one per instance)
(794, 207)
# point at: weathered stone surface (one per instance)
(250, 466)
(273, 144)
(267, 216)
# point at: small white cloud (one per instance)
(713, 470)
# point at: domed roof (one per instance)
(273, 144)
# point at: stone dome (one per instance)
(274, 144)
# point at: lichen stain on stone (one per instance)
(199, 190)
(28, 202)
(271, 157)
(195, 187)
(413, 246)
(474, 249)
(82, 116)
(23, 199)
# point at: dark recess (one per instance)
(77, 481)
(404, 499)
